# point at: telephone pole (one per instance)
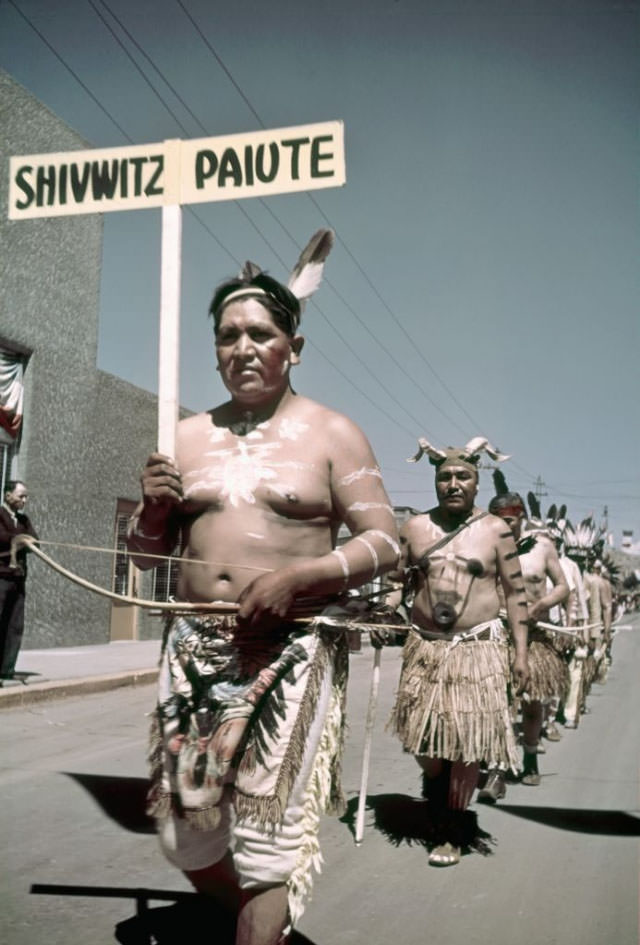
(539, 487)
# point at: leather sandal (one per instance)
(444, 855)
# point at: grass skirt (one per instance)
(548, 671)
(452, 701)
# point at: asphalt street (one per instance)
(80, 862)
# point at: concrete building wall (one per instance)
(86, 434)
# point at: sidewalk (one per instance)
(72, 670)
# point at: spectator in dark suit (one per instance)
(13, 522)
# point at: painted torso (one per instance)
(260, 496)
(462, 574)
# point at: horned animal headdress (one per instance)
(468, 455)
(289, 300)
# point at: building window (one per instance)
(6, 455)
(122, 568)
(165, 580)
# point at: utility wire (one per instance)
(253, 111)
(70, 70)
(351, 255)
(248, 217)
(200, 221)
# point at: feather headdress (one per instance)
(500, 482)
(307, 272)
(468, 455)
(288, 299)
(582, 540)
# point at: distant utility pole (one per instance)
(539, 487)
(605, 518)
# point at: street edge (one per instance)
(59, 689)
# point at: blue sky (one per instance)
(485, 276)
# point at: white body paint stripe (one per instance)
(359, 474)
(385, 537)
(372, 552)
(344, 564)
(365, 506)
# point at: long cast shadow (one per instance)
(405, 819)
(401, 818)
(121, 799)
(613, 823)
(164, 925)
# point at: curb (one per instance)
(59, 689)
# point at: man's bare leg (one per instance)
(263, 916)
(453, 784)
(462, 783)
(532, 713)
(220, 882)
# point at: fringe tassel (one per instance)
(320, 795)
(269, 810)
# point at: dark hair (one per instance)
(506, 500)
(275, 297)
(10, 485)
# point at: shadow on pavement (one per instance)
(188, 915)
(405, 819)
(614, 823)
(122, 799)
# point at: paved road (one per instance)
(79, 857)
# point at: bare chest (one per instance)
(464, 554)
(534, 569)
(273, 466)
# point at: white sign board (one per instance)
(255, 164)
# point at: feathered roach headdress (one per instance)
(583, 540)
(468, 455)
(552, 524)
(287, 301)
(505, 502)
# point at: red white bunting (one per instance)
(11, 392)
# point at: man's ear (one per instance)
(297, 344)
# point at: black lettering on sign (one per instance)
(261, 174)
(104, 179)
(248, 165)
(124, 178)
(230, 167)
(294, 144)
(206, 166)
(62, 183)
(317, 156)
(137, 163)
(151, 188)
(79, 184)
(23, 183)
(46, 186)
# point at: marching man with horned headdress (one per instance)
(249, 724)
(451, 708)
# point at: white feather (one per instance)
(307, 281)
(307, 272)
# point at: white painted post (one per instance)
(169, 342)
(368, 738)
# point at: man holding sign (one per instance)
(248, 728)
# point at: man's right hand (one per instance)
(161, 482)
(161, 492)
(520, 670)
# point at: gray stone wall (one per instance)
(86, 433)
